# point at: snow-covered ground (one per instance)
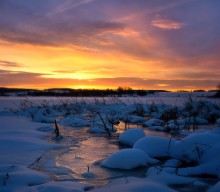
(183, 157)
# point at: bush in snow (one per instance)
(176, 125)
(169, 114)
(139, 109)
(101, 124)
(128, 159)
(130, 136)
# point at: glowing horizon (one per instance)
(102, 44)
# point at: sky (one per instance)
(142, 44)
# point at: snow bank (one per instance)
(215, 188)
(134, 185)
(20, 142)
(15, 177)
(128, 159)
(130, 136)
(166, 178)
(64, 186)
(160, 175)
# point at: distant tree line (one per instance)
(66, 92)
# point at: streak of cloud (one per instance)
(166, 24)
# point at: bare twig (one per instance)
(6, 176)
(57, 132)
(5, 179)
(104, 124)
(36, 161)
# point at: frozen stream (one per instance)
(83, 150)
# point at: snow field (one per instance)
(170, 161)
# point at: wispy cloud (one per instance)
(166, 24)
(67, 5)
(10, 64)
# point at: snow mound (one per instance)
(157, 128)
(128, 159)
(155, 146)
(153, 122)
(130, 136)
(193, 147)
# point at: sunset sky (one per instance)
(143, 44)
